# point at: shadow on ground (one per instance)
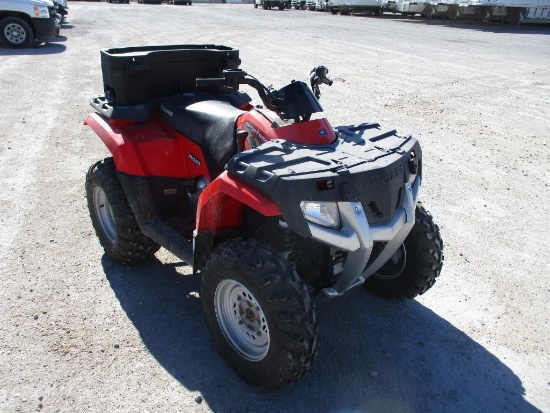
(37, 49)
(375, 356)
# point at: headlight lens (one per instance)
(41, 12)
(322, 213)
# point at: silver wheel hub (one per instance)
(104, 214)
(15, 33)
(241, 320)
(394, 266)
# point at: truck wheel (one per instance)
(16, 32)
(415, 266)
(259, 313)
(112, 218)
(282, 7)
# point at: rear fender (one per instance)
(149, 148)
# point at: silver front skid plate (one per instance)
(357, 237)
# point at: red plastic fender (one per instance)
(312, 132)
(221, 204)
(149, 148)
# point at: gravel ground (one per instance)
(81, 333)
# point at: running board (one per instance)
(163, 234)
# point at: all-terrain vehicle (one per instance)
(269, 205)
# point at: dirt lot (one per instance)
(81, 333)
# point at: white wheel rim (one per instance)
(104, 214)
(242, 320)
(15, 33)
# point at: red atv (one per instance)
(270, 206)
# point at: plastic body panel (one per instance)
(365, 164)
(261, 129)
(149, 149)
(221, 204)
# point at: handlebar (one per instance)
(282, 101)
(234, 78)
(317, 77)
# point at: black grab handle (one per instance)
(210, 81)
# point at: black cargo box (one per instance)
(136, 75)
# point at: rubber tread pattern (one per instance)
(285, 301)
(131, 245)
(424, 247)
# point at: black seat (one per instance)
(210, 123)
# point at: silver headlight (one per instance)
(322, 213)
(41, 12)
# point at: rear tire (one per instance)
(415, 266)
(112, 218)
(259, 313)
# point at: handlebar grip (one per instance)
(210, 81)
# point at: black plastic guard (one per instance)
(138, 113)
(365, 164)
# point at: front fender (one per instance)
(221, 204)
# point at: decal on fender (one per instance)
(194, 159)
(251, 129)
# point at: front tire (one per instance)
(413, 269)
(112, 218)
(16, 32)
(259, 313)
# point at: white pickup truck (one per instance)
(355, 6)
(24, 21)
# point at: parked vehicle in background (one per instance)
(406, 8)
(24, 21)
(320, 5)
(62, 8)
(268, 4)
(184, 2)
(298, 4)
(511, 11)
(355, 6)
(150, 1)
(118, 1)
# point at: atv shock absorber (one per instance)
(284, 240)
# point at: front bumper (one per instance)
(357, 237)
(46, 29)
